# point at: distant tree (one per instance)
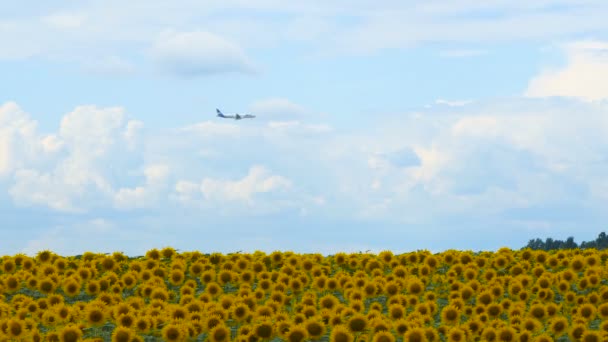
(570, 244)
(550, 244)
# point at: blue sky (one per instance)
(380, 125)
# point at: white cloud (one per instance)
(277, 108)
(19, 141)
(91, 131)
(222, 191)
(146, 195)
(34, 188)
(199, 53)
(91, 140)
(132, 132)
(210, 129)
(258, 180)
(51, 143)
(480, 160)
(585, 75)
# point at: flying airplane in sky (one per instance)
(235, 116)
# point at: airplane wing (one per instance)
(248, 116)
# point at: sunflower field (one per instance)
(452, 296)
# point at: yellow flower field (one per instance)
(283, 296)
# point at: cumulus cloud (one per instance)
(199, 53)
(132, 132)
(20, 142)
(244, 190)
(146, 195)
(90, 140)
(484, 161)
(584, 76)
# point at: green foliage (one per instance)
(550, 244)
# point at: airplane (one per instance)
(235, 116)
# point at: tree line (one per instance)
(600, 243)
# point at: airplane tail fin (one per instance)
(219, 113)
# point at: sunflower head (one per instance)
(296, 333)
(383, 336)
(456, 334)
(95, 315)
(264, 330)
(174, 332)
(341, 333)
(70, 333)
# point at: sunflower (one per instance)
(576, 331)
(357, 323)
(383, 336)
(396, 311)
(456, 334)
(174, 332)
(379, 323)
(474, 326)
(92, 287)
(70, 333)
(71, 287)
(9, 265)
(587, 311)
(415, 286)
(264, 330)
(340, 333)
(122, 334)
(143, 323)
(211, 321)
(314, 327)
(15, 328)
(121, 309)
(95, 315)
(450, 315)
(47, 285)
(494, 310)
(214, 289)
(126, 320)
(524, 336)
(153, 254)
(538, 311)
(240, 312)
(507, 334)
(177, 312)
(328, 302)
(296, 333)
(543, 338)
(604, 327)
(489, 334)
(50, 317)
(160, 294)
(558, 326)
(415, 335)
(592, 336)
